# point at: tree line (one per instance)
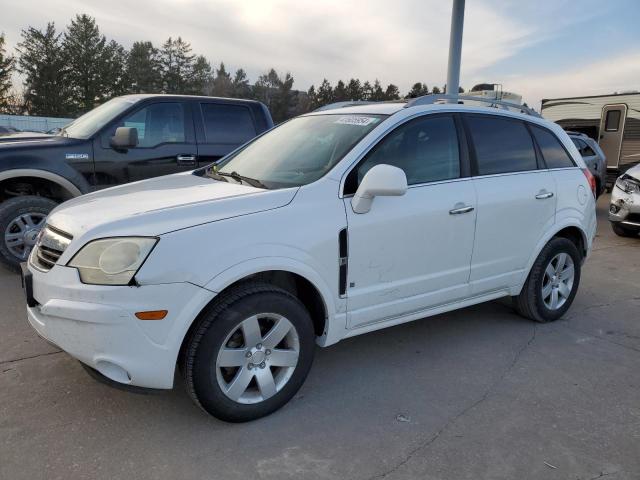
(66, 74)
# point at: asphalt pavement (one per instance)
(480, 393)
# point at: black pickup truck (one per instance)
(126, 139)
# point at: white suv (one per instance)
(333, 224)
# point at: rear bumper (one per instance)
(97, 324)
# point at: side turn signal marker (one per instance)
(152, 315)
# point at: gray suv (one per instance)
(593, 156)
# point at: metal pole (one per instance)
(455, 48)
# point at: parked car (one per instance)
(333, 224)
(593, 157)
(624, 210)
(126, 139)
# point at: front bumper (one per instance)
(97, 324)
(625, 208)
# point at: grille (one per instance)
(51, 244)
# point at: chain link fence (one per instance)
(30, 123)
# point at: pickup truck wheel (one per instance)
(21, 219)
(250, 353)
(552, 283)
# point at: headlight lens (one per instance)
(112, 261)
(628, 184)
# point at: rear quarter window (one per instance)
(502, 145)
(554, 154)
(227, 124)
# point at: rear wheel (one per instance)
(552, 283)
(623, 231)
(250, 353)
(21, 219)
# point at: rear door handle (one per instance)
(461, 210)
(543, 195)
(186, 159)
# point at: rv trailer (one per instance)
(611, 120)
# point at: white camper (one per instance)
(612, 120)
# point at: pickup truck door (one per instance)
(166, 144)
(221, 128)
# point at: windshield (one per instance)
(299, 151)
(85, 126)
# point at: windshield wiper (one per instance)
(241, 178)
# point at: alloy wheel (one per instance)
(557, 282)
(257, 358)
(22, 233)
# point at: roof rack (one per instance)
(353, 103)
(442, 98)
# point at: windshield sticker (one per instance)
(357, 120)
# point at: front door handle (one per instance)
(186, 159)
(461, 210)
(543, 195)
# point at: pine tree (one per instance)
(45, 70)
(143, 69)
(7, 65)
(392, 92)
(367, 91)
(377, 94)
(436, 90)
(325, 93)
(266, 86)
(240, 85)
(284, 99)
(202, 82)
(340, 92)
(96, 66)
(177, 63)
(354, 90)
(222, 83)
(418, 90)
(313, 98)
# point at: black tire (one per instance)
(622, 231)
(216, 323)
(12, 209)
(530, 303)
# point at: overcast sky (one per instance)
(540, 49)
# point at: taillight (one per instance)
(591, 179)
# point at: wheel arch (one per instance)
(43, 177)
(295, 278)
(570, 230)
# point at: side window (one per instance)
(227, 124)
(587, 151)
(158, 123)
(425, 148)
(502, 145)
(612, 121)
(554, 154)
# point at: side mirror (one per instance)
(382, 180)
(125, 137)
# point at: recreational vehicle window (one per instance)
(612, 123)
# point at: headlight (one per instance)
(628, 184)
(112, 261)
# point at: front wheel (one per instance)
(552, 283)
(622, 231)
(250, 353)
(21, 219)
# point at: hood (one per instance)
(634, 172)
(25, 136)
(161, 205)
